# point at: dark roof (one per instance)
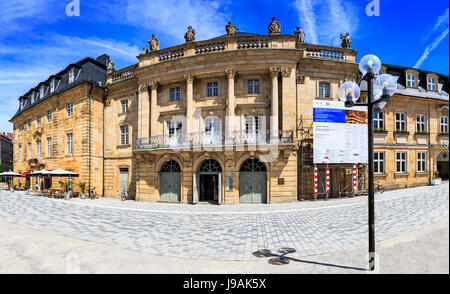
(87, 70)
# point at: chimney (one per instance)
(103, 59)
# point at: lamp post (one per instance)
(379, 90)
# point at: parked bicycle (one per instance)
(93, 194)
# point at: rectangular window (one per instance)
(69, 144)
(378, 120)
(175, 94)
(253, 86)
(124, 135)
(378, 162)
(39, 120)
(52, 86)
(400, 161)
(400, 122)
(431, 84)
(29, 124)
(213, 89)
(411, 79)
(444, 124)
(49, 147)
(38, 149)
(41, 92)
(21, 127)
(29, 150)
(421, 123)
(124, 104)
(49, 115)
(421, 161)
(324, 90)
(20, 152)
(175, 128)
(71, 75)
(69, 109)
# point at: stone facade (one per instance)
(242, 104)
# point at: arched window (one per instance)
(170, 166)
(253, 165)
(209, 165)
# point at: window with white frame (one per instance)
(253, 86)
(69, 109)
(411, 80)
(49, 115)
(52, 85)
(421, 123)
(124, 104)
(400, 160)
(20, 152)
(400, 122)
(41, 92)
(175, 132)
(69, 144)
(175, 94)
(431, 82)
(38, 148)
(212, 124)
(29, 150)
(421, 162)
(32, 97)
(212, 89)
(71, 75)
(378, 120)
(378, 162)
(49, 147)
(324, 90)
(124, 138)
(39, 120)
(444, 124)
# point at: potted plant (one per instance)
(436, 180)
(83, 188)
(27, 186)
(66, 187)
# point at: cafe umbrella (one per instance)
(61, 173)
(11, 175)
(40, 174)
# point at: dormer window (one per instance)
(411, 80)
(71, 75)
(52, 86)
(32, 97)
(41, 92)
(431, 84)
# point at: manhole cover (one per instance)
(278, 261)
(262, 253)
(286, 250)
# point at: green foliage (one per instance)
(82, 187)
(65, 186)
(2, 168)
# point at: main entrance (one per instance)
(442, 165)
(170, 181)
(208, 182)
(252, 182)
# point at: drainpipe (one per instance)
(90, 114)
(105, 93)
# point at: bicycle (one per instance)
(123, 193)
(93, 194)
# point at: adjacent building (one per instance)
(226, 120)
(6, 151)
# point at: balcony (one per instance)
(214, 139)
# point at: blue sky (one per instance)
(38, 39)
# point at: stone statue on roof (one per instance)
(110, 67)
(153, 43)
(300, 36)
(346, 41)
(274, 27)
(190, 35)
(231, 29)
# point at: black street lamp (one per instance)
(379, 91)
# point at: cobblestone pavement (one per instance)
(231, 232)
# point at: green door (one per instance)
(170, 187)
(252, 187)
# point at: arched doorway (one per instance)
(442, 165)
(208, 182)
(170, 181)
(253, 181)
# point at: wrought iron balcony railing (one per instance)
(214, 138)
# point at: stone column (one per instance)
(154, 110)
(229, 120)
(274, 71)
(288, 95)
(189, 101)
(143, 112)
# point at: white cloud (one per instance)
(431, 47)
(172, 17)
(307, 19)
(442, 19)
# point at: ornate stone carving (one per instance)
(286, 72)
(230, 73)
(274, 27)
(154, 85)
(274, 71)
(107, 102)
(230, 29)
(143, 87)
(189, 78)
(300, 36)
(110, 67)
(153, 43)
(190, 35)
(144, 51)
(186, 156)
(300, 79)
(346, 41)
